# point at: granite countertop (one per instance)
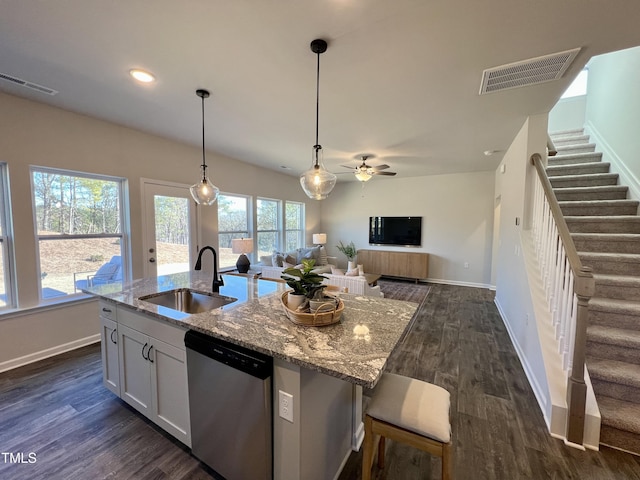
(356, 349)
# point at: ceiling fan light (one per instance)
(363, 176)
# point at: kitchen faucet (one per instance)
(217, 281)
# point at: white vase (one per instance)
(351, 265)
(294, 300)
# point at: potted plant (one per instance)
(349, 251)
(306, 284)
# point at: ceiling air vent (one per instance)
(31, 85)
(527, 72)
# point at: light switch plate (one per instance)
(285, 408)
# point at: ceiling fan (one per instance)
(364, 172)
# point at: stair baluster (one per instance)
(568, 286)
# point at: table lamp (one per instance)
(319, 238)
(242, 246)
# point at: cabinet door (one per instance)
(109, 347)
(135, 369)
(169, 390)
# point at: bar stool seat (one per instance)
(409, 411)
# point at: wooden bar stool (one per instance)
(409, 411)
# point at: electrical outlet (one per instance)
(466, 264)
(285, 402)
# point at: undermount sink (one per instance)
(188, 301)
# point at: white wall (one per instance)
(568, 114)
(613, 112)
(513, 292)
(457, 220)
(34, 134)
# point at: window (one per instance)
(233, 222)
(294, 226)
(579, 85)
(6, 244)
(80, 230)
(268, 220)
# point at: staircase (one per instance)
(605, 228)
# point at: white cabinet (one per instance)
(109, 347)
(144, 363)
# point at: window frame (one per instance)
(279, 231)
(7, 240)
(243, 233)
(123, 236)
(301, 231)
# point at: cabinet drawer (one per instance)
(171, 334)
(107, 310)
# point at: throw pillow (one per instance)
(277, 258)
(291, 259)
(354, 272)
(308, 253)
(336, 271)
(266, 260)
(360, 270)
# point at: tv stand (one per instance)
(413, 265)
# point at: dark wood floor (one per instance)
(59, 410)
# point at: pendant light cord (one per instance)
(317, 146)
(204, 163)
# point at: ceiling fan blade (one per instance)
(390, 174)
(380, 167)
(349, 167)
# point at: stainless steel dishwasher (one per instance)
(230, 407)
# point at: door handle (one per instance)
(113, 340)
(143, 355)
(149, 354)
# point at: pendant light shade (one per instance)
(204, 192)
(317, 182)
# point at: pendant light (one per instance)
(317, 182)
(204, 192)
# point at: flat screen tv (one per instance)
(403, 231)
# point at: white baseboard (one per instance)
(47, 353)
(627, 177)
(460, 284)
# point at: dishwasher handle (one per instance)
(248, 361)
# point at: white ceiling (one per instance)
(399, 80)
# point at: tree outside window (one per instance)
(79, 228)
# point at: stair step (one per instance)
(584, 180)
(615, 344)
(607, 192)
(623, 417)
(578, 169)
(620, 287)
(569, 139)
(569, 131)
(599, 207)
(607, 242)
(575, 158)
(623, 314)
(575, 148)
(609, 224)
(614, 379)
(612, 263)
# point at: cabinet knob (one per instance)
(152, 260)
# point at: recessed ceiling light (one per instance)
(142, 76)
(488, 153)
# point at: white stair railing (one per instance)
(568, 286)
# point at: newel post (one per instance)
(576, 388)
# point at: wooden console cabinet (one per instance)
(395, 264)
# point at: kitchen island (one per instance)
(323, 368)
